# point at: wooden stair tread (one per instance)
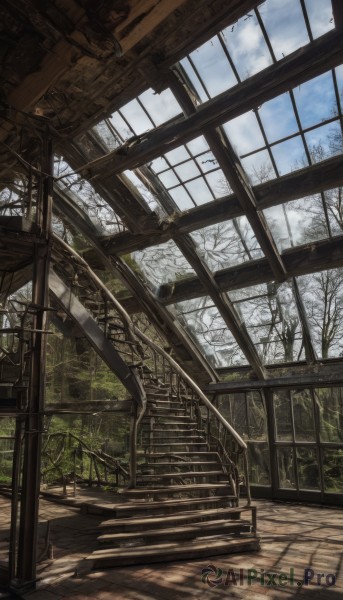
(153, 505)
(200, 529)
(177, 488)
(180, 474)
(178, 517)
(172, 551)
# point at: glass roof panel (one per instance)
(297, 222)
(199, 191)
(124, 130)
(218, 183)
(108, 136)
(161, 107)
(198, 145)
(159, 164)
(285, 25)
(316, 100)
(247, 46)
(227, 244)
(83, 193)
(136, 117)
(278, 118)
(188, 170)
(244, 133)
(273, 323)
(144, 192)
(290, 155)
(322, 295)
(178, 155)
(169, 179)
(320, 16)
(325, 141)
(259, 167)
(182, 198)
(210, 332)
(162, 263)
(213, 67)
(207, 162)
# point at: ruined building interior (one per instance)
(171, 298)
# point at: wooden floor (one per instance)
(292, 536)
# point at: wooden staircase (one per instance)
(183, 499)
(183, 506)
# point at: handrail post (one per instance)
(246, 476)
(133, 446)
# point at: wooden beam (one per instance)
(311, 355)
(309, 258)
(300, 66)
(320, 375)
(337, 9)
(319, 177)
(144, 17)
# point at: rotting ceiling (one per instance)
(215, 155)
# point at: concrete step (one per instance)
(172, 551)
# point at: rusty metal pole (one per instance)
(27, 545)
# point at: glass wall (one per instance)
(294, 438)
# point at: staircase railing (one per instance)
(220, 435)
(144, 354)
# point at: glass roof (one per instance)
(291, 131)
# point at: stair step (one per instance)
(102, 559)
(180, 474)
(158, 507)
(183, 453)
(181, 429)
(179, 463)
(163, 411)
(176, 444)
(175, 419)
(180, 439)
(219, 488)
(185, 532)
(189, 474)
(178, 518)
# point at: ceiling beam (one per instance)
(337, 9)
(319, 177)
(300, 66)
(309, 258)
(320, 375)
